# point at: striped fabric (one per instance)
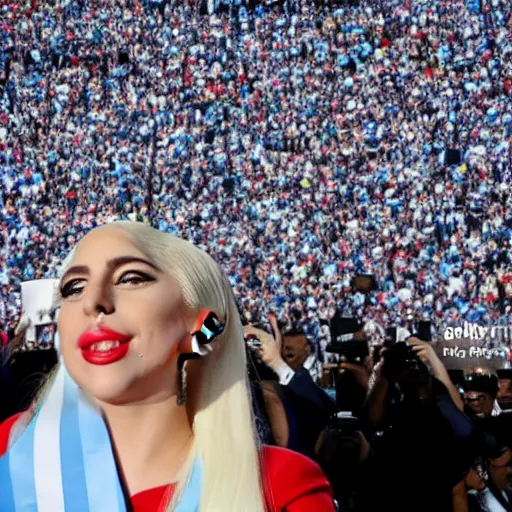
(63, 461)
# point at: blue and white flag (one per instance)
(63, 460)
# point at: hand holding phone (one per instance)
(268, 346)
(424, 331)
(253, 342)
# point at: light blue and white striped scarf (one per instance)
(64, 462)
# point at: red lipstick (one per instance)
(103, 346)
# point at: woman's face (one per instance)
(143, 307)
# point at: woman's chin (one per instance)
(111, 396)
(122, 383)
(109, 389)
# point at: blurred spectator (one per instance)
(481, 391)
(344, 453)
(4, 340)
(271, 420)
(488, 485)
(504, 396)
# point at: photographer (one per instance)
(353, 377)
(487, 486)
(308, 407)
(376, 401)
(345, 457)
(421, 435)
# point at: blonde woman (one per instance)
(149, 409)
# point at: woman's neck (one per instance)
(151, 441)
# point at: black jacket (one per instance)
(308, 408)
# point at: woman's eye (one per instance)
(72, 288)
(134, 278)
(76, 286)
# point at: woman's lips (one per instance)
(102, 357)
(103, 346)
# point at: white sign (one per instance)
(477, 332)
(37, 299)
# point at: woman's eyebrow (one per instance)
(111, 265)
(121, 260)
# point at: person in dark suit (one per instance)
(308, 407)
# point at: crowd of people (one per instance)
(300, 144)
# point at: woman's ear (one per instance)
(206, 328)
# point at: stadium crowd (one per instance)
(299, 144)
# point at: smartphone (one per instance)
(425, 330)
(253, 341)
(45, 335)
(390, 336)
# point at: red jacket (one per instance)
(292, 482)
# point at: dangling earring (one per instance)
(181, 397)
(208, 327)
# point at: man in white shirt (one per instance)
(298, 353)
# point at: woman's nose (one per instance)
(98, 299)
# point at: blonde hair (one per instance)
(225, 437)
(224, 431)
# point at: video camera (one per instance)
(343, 339)
(401, 363)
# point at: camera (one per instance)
(345, 423)
(352, 351)
(401, 363)
(343, 339)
